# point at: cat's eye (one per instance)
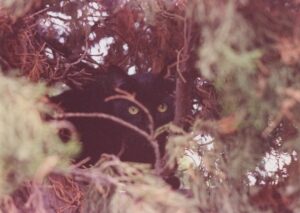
(162, 107)
(133, 110)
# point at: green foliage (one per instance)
(256, 93)
(17, 8)
(30, 146)
(131, 187)
(228, 57)
(248, 50)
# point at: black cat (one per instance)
(103, 136)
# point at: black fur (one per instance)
(102, 136)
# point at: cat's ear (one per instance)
(118, 78)
(167, 81)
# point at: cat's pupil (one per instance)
(162, 107)
(133, 110)
(102, 136)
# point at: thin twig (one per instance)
(126, 124)
(130, 97)
(103, 116)
(167, 14)
(35, 199)
(37, 13)
(178, 62)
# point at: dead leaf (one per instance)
(289, 49)
(227, 125)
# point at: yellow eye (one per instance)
(133, 110)
(162, 107)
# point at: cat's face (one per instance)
(154, 92)
(104, 136)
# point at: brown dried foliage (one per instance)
(168, 41)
